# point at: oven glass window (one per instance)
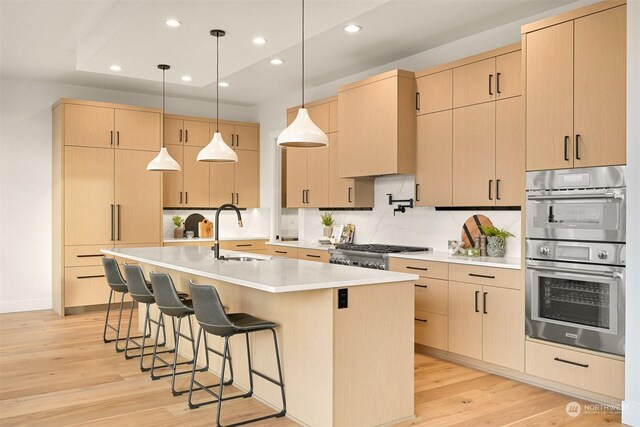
(575, 301)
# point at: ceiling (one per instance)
(75, 42)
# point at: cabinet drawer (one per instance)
(587, 371)
(313, 255)
(432, 295)
(500, 277)
(78, 256)
(282, 251)
(431, 329)
(430, 269)
(85, 286)
(244, 245)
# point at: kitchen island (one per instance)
(342, 366)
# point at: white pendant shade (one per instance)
(303, 133)
(217, 151)
(163, 162)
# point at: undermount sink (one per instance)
(240, 258)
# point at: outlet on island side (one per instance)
(343, 298)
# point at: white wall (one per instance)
(25, 178)
(255, 222)
(631, 404)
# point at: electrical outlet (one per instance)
(343, 298)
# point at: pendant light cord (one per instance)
(302, 53)
(217, 83)
(163, 70)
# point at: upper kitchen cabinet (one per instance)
(245, 136)
(307, 177)
(474, 83)
(346, 192)
(434, 159)
(435, 92)
(576, 88)
(103, 125)
(179, 130)
(509, 74)
(377, 126)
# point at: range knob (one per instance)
(603, 254)
(544, 250)
(381, 267)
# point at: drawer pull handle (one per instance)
(313, 256)
(420, 286)
(242, 245)
(281, 252)
(89, 255)
(484, 276)
(421, 320)
(476, 301)
(417, 268)
(90, 277)
(582, 365)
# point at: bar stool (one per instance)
(213, 319)
(117, 285)
(170, 304)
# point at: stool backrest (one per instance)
(135, 282)
(166, 295)
(112, 273)
(209, 311)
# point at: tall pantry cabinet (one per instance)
(103, 195)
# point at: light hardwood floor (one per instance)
(56, 371)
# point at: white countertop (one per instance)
(272, 275)
(210, 239)
(302, 245)
(511, 263)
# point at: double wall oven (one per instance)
(575, 257)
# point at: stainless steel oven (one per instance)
(576, 294)
(577, 204)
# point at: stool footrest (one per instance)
(260, 374)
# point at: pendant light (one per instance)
(217, 150)
(303, 132)
(163, 161)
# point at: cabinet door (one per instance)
(221, 183)
(333, 116)
(600, 89)
(196, 179)
(434, 159)
(510, 148)
(88, 196)
(465, 319)
(320, 116)
(509, 75)
(226, 131)
(474, 144)
(173, 132)
(137, 130)
(246, 137)
(318, 177)
(172, 188)
(549, 68)
(247, 182)
(341, 190)
(502, 334)
(88, 126)
(474, 83)
(432, 295)
(137, 196)
(436, 92)
(296, 177)
(196, 134)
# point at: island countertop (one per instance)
(275, 275)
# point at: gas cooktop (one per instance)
(380, 249)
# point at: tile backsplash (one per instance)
(255, 221)
(420, 226)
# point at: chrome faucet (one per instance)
(216, 242)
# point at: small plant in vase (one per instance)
(496, 240)
(178, 232)
(327, 222)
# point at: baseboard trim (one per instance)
(631, 413)
(16, 306)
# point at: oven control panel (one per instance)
(587, 252)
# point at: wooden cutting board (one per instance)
(205, 228)
(471, 229)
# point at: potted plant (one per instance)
(327, 222)
(496, 240)
(178, 232)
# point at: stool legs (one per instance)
(146, 333)
(107, 325)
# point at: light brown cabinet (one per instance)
(237, 136)
(346, 192)
(282, 251)
(188, 187)
(88, 125)
(307, 177)
(376, 122)
(474, 83)
(509, 75)
(465, 319)
(236, 183)
(317, 255)
(435, 92)
(179, 131)
(510, 152)
(434, 159)
(576, 90)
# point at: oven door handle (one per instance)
(609, 195)
(607, 274)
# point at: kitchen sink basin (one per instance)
(241, 258)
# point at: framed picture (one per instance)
(347, 233)
(336, 233)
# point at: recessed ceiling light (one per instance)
(277, 61)
(173, 22)
(223, 84)
(115, 68)
(186, 78)
(352, 28)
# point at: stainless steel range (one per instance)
(576, 256)
(368, 256)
